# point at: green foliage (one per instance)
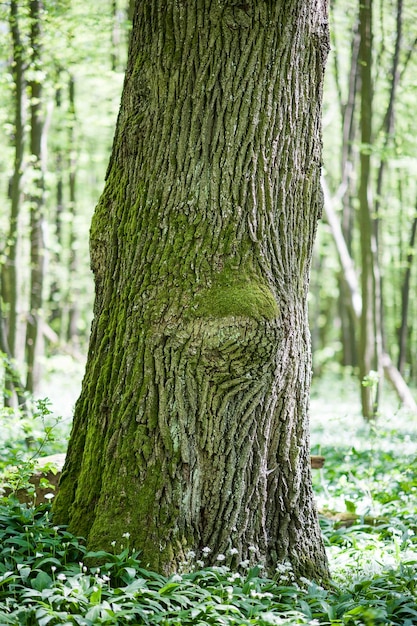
(44, 580)
(47, 577)
(81, 86)
(25, 437)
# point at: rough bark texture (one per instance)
(192, 425)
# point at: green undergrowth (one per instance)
(44, 580)
(25, 437)
(369, 481)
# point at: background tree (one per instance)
(77, 44)
(371, 194)
(51, 51)
(370, 331)
(37, 256)
(9, 273)
(191, 429)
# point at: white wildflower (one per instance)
(176, 578)
(270, 618)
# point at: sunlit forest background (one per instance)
(61, 74)
(62, 67)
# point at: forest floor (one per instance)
(367, 499)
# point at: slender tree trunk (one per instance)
(405, 299)
(346, 262)
(368, 359)
(389, 120)
(355, 299)
(56, 295)
(115, 37)
(192, 425)
(9, 274)
(11, 372)
(73, 289)
(34, 337)
(388, 129)
(349, 328)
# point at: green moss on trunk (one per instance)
(235, 294)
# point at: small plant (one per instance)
(34, 436)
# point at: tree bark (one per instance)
(9, 273)
(370, 340)
(73, 268)
(192, 425)
(348, 157)
(34, 337)
(56, 295)
(405, 298)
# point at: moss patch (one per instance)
(237, 296)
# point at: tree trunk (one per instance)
(405, 298)
(73, 267)
(388, 128)
(349, 125)
(9, 274)
(115, 37)
(56, 295)
(192, 425)
(130, 9)
(368, 343)
(34, 337)
(355, 299)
